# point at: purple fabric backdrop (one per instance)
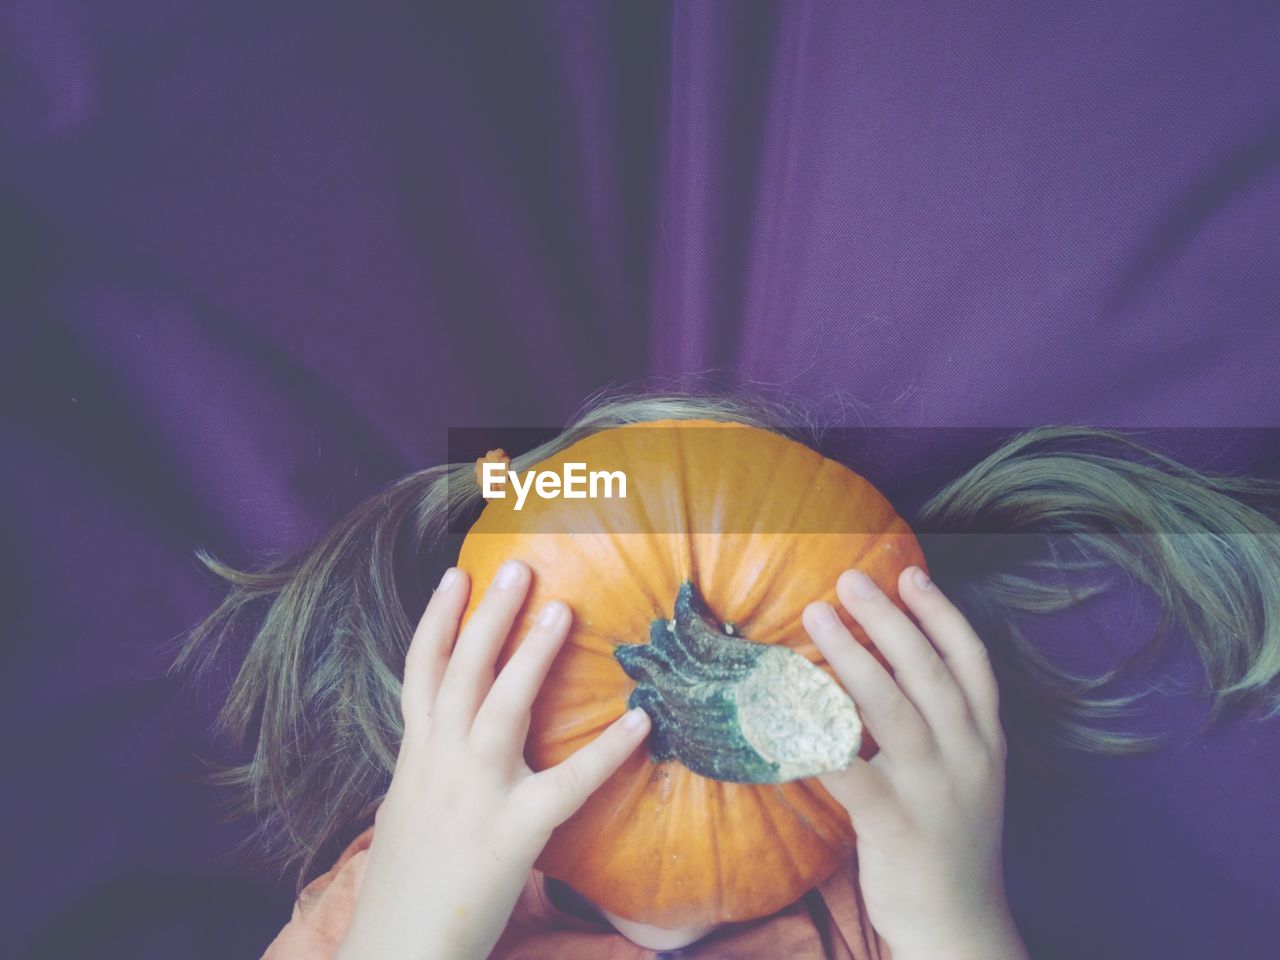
(256, 258)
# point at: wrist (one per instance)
(997, 940)
(458, 920)
(982, 930)
(425, 939)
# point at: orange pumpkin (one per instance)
(753, 526)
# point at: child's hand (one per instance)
(465, 817)
(928, 809)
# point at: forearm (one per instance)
(1002, 947)
(461, 920)
(420, 937)
(992, 937)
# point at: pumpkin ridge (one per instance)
(602, 648)
(794, 869)
(626, 810)
(783, 796)
(789, 627)
(680, 787)
(780, 795)
(717, 857)
(690, 557)
(636, 575)
(802, 502)
(779, 562)
(645, 522)
(794, 625)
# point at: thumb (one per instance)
(865, 793)
(559, 791)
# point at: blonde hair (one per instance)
(315, 700)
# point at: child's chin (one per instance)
(657, 938)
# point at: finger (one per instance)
(864, 791)
(558, 792)
(470, 672)
(502, 722)
(890, 717)
(959, 645)
(917, 667)
(428, 654)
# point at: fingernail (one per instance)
(634, 719)
(509, 574)
(862, 585)
(922, 579)
(448, 580)
(824, 616)
(551, 614)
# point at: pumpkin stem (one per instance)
(734, 710)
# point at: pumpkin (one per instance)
(687, 598)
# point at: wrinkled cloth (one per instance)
(827, 924)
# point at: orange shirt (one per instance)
(826, 924)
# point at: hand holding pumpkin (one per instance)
(465, 817)
(928, 808)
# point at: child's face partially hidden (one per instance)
(644, 935)
(658, 938)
